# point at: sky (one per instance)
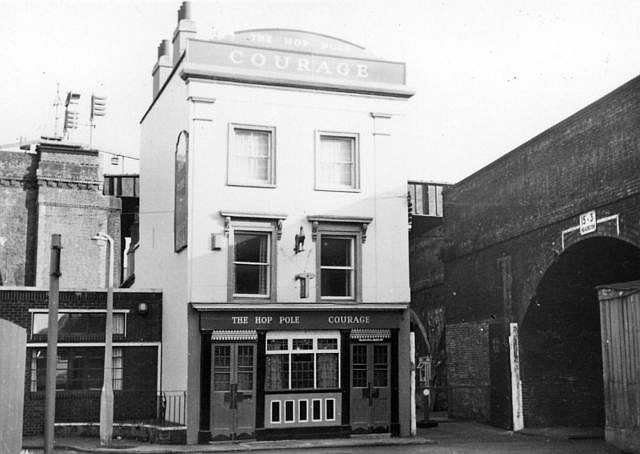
(488, 75)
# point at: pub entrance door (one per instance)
(233, 391)
(370, 388)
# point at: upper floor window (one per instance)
(339, 256)
(251, 156)
(252, 253)
(78, 326)
(337, 161)
(425, 199)
(252, 263)
(337, 267)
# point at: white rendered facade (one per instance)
(216, 104)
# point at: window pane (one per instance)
(277, 372)
(276, 344)
(117, 364)
(380, 365)
(245, 367)
(359, 366)
(327, 370)
(303, 344)
(336, 282)
(250, 247)
(251, 268)
(251, 279)
(118, 323)
(275, 411)
(327, 344)
(316, 409)
(302, 370)
(336, 161)
(288, 411)
(336, 252)
(302, 410)
(251, 156)
(329, 409)
(221, 367)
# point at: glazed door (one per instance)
(233, 391)
(370, 387)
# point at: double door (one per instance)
(370, 387)
(233, 391)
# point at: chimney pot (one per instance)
(185, 11)
(163, 48)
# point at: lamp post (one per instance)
(106, 394)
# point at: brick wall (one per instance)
(468, 369)
(56, 190)
(18, 194)
(514, 211)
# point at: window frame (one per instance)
(355, 154)
(340, 226)
(352, 267)
(268, 264)
(290, 336)
(116, 312)
(117, 364)
(232, 146)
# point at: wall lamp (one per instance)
(143, 308)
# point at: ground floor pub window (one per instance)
(302, 360)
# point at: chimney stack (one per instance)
(163, 67)
(186, 29)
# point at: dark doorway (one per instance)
(560, 351)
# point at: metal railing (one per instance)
(172, 407)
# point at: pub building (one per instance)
(273, 215)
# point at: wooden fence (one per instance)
(620, 331)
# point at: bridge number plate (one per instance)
(588, 222)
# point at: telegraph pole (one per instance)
(52, 344)
(106, 394)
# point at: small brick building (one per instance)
(136, 353)
(52, 186)
(525, 241)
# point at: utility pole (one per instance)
(106, 394)
(52, 343)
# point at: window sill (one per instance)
(252, 185)
(330, 189)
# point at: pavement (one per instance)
(444, 431)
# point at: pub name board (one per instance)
(298, 320)
(296, 64)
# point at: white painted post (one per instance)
(516, 383)
(412, 355)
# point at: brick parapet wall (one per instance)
(582, 163)
(55, 190)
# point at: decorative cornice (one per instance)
(361, 221)
(275, 218)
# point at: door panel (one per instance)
(381, 404)
(370, 387)
(221, 413)
(233, 391)
(360, 415)
(246, 395)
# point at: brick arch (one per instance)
(560, 351)
(550, 251)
